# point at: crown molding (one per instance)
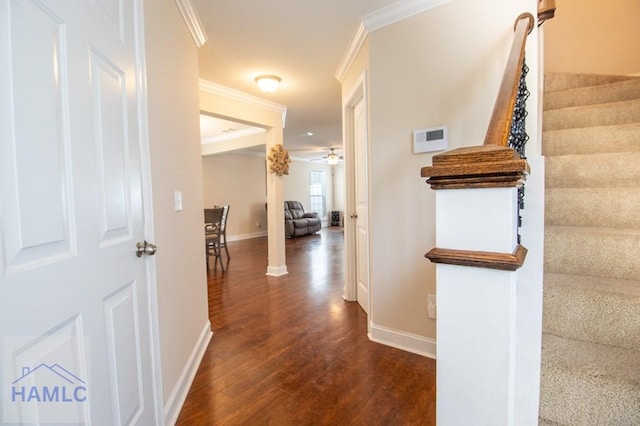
(381, 18)
(231, 146)
(352, 51)
(191, 18)
(236, 95)
(397, 12)
(234, 135)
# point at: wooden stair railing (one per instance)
(492, 165)
(500, 123)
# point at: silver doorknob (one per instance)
(354, 215)
(145, 247)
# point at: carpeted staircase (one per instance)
(591, 327)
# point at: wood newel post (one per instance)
(485, 166)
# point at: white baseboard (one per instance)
(413, 343)
(276, 271)
(179, 393)
(247, 236)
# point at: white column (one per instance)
(275, 212)
(476, 349)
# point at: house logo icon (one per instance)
(48, 384)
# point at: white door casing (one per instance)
(74, 297)
(356, 171)
(361, 206)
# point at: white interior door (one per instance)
(74, 297)
(361, 205)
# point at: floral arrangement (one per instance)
(279, 160)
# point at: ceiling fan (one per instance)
(331, 157)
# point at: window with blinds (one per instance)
(317, 192)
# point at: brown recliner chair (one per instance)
(297, 222)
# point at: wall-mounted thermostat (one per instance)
(429, 140)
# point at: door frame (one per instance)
(147, 205)
(359, 93)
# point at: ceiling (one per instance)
(302, 42)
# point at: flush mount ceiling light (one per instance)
(268, 83)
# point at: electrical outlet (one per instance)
(431, 306)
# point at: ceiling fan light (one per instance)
(268, 83)
(333, 158)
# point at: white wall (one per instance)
(172, 81)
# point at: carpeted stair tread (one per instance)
(614, 92)
(544, 422)
(592, 140)
(590, 371)
(593, 170)
(593, 207)
(601, 284)
(600, 310)
(607, 114)
(585, 383)
(601, 252)
(564, 81)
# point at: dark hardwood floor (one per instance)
(291, 351)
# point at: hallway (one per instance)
(290, 350)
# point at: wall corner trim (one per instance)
(179, 392)
(378, 19)
(191, 18)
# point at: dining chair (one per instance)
(223, 230)
(212, 232)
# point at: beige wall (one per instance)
(296, 186)
(239, 180)
(593, 36)
(248, 109)
(172, 71)
(446, 73)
